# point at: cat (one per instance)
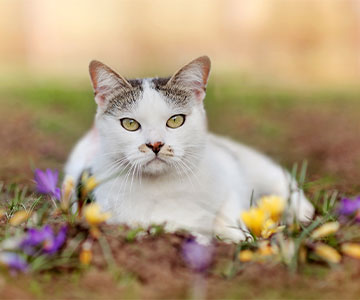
(150, 148)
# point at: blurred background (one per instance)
(305, 41)
(284, 75)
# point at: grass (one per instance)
(39, 123)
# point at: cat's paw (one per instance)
(301, 207)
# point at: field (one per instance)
(40, 122)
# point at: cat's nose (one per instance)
(155, 147)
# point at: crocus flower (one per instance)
(274, 206)
(19, 217)
(197, 256)
(245, 255)
(266, 249)
(46, 182)
(13, 261)
(43, 239)
(67, 190)
(351, 249)
(328, 253)
(93, 214)
(302, 254)
(349, 207)
(85, 256)
(270, 227)
(254, 219)
(325, 230)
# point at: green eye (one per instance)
(175, 121)
(130, 124)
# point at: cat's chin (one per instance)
(156, 166)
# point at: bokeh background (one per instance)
(284, 76)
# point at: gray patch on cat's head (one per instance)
(174, 94)
(124, 99)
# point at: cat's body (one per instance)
(160, 165)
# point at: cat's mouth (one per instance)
(156, 160)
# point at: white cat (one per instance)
(160, 164)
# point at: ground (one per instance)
(39, 123)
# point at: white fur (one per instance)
(202, 182)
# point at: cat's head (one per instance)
(152, 126)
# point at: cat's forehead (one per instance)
(148, 93)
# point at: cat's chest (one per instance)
(183, 202)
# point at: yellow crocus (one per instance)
(245, 255)
(302, 254)
(85, 256)
(269, 228)
(93, 214)
(273, 205)
(351, 249)
(266, 249)
(328, 253)
(254, 219)
(90, 184)
(19, 217)
(325, 230)
(67, 190)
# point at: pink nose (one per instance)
(155, 147)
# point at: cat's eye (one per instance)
(175, 121)
(130, 124)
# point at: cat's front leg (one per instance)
(228, 225)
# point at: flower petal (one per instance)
(19, 217)
(351, 249)
(325, 230)
(245, 255)
(328, 253)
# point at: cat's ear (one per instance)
(105, 81)
(193, 76)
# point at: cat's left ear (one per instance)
(193, 76)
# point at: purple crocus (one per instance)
(349, 207)
(14, 261)
(197, 256)
(44, 240)
(46, 182)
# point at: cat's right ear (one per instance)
(104, 81)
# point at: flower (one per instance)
(254, 219)
(325, 230)
(89, 183)
(43, 238)
(269, 228)
(266, 249)
(93, 215)
(351, 249)
(328, 253)
(19, 217)
(46, 182)
(13, 261)
(302, 254)
(66, 191)
(85, 254)
(197, 256)
(272, 205)
(245, 255)
(349, 207)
